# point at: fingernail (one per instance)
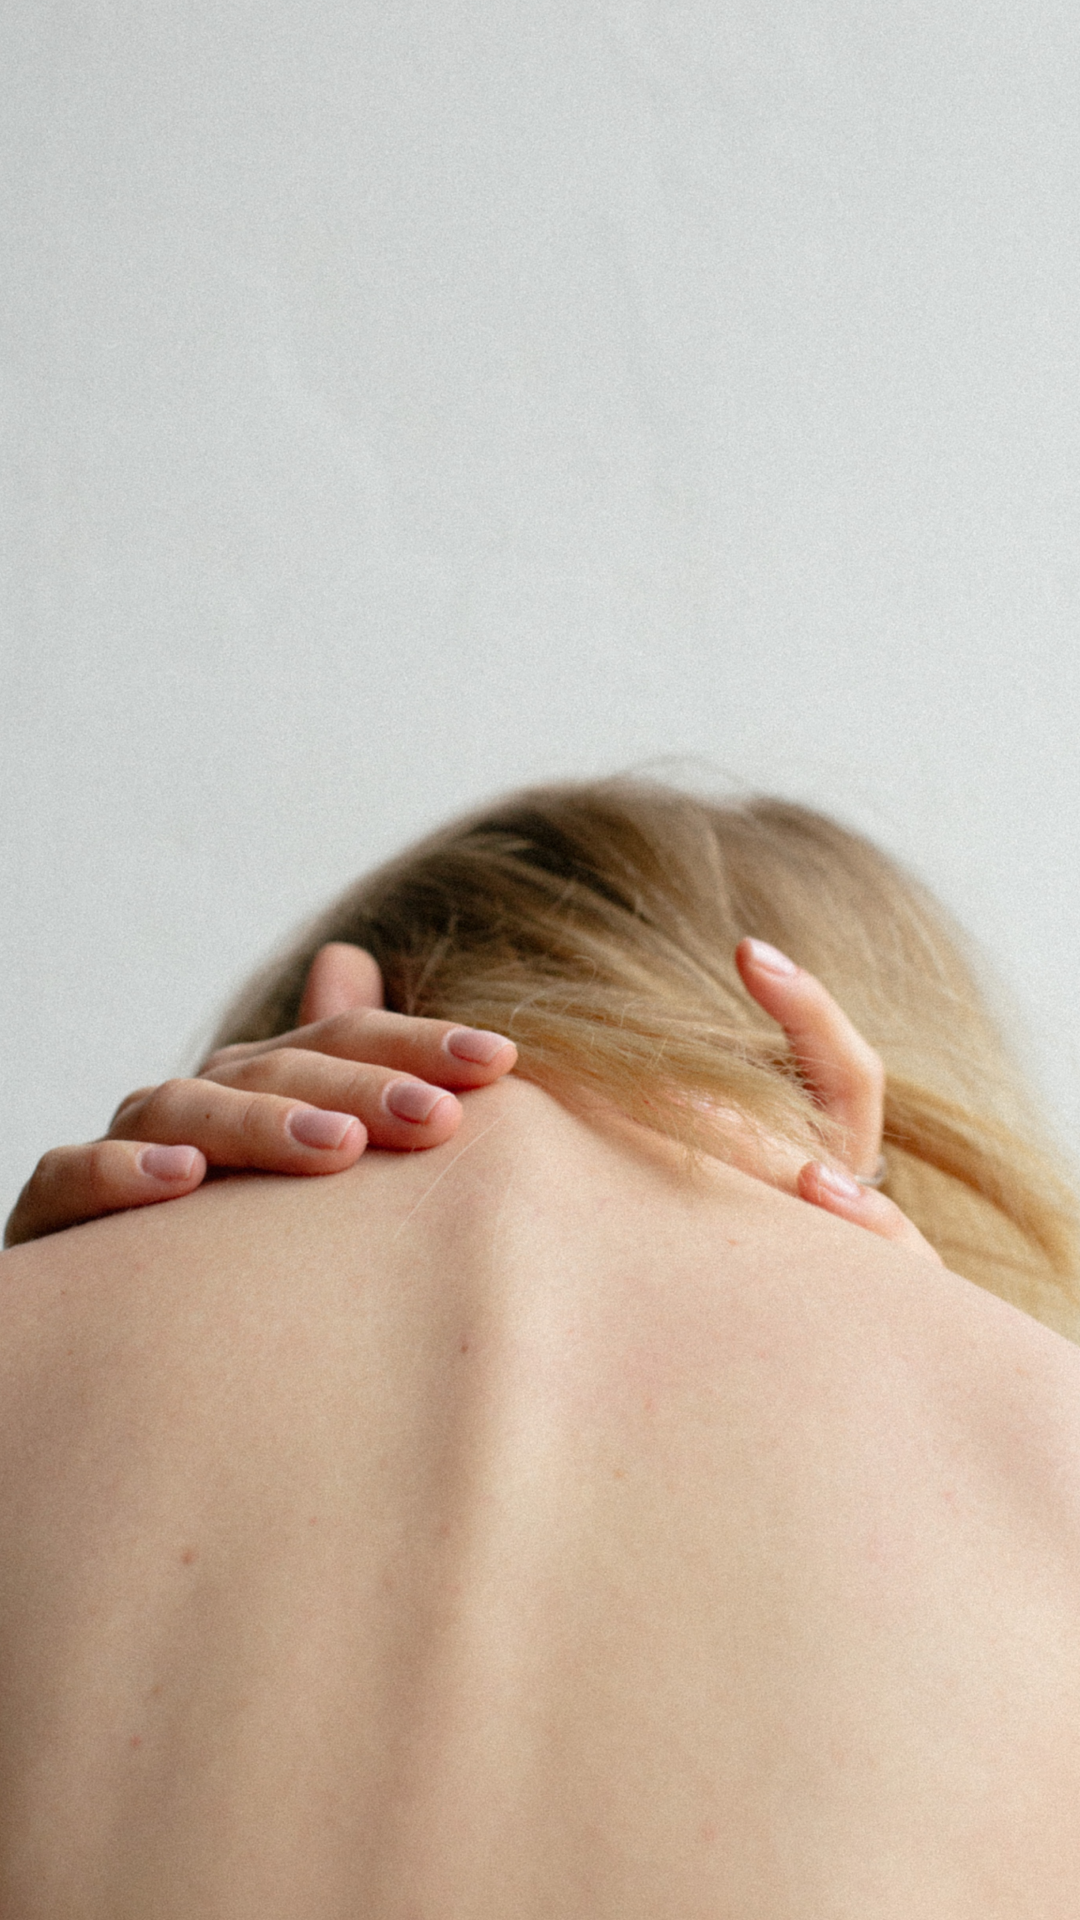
(842, 1184)
(315, 1127)
(168, 1163)
(473, 1043)
(411, 1099)
(771, 958)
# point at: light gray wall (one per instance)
(405, 400)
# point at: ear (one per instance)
(340, 978)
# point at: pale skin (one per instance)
(530, 1528)
(351, 1063)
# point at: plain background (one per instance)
(404, 400)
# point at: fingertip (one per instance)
(744, 958)
(763, 957)
(408, 1120)
(831, 1188)
(322, 1129)
(476, 1046)
(416, 1102)
(172, 1166)
(446, 1118)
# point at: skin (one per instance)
(347, 1060)
(530, 1527)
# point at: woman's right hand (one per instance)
(846, 1078)
(306, 1102)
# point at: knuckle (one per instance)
(252, 1114)
(284, 1060)
(227, 1056)
(170, 1092)
(130, 1102)
(99, 1171)
(267, 1071)
(129, 1118)
(349, 1029)
(167, 1108)
(49, 1168)
(160, 1102)
(364, 1081)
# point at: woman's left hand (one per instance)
(847, 1079)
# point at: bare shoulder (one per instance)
(603, 1538)
(579, 1243)
(603, 1224)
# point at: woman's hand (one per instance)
(310, 1101)
(306, 1102)
(847, 1079)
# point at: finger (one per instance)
(397, 1110)
(73, 1184)
(340, 977)
(841, 1069)
(260, 1131)
(294, 1112)
(836, 1192)
(128, 1100)
(442, 1052)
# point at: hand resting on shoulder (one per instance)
(354, 1075)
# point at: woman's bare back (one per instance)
(530, 1529)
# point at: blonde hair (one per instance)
(595, 925)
